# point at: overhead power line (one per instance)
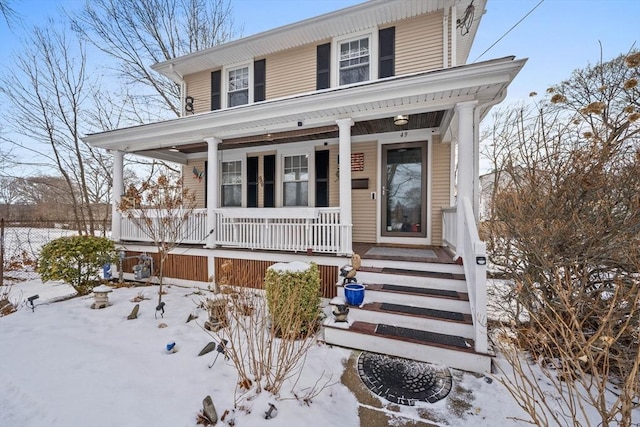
(510, 29)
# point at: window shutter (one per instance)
(387, 42)
(216, 89)
(323, 66)
(259, 78)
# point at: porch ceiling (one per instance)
(365, 127)
(425, 97)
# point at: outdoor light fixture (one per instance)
(160, 308)
(31, 299)
(173, 149)
(480, 260)
(400, 120)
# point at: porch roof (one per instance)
(425, 92)
(362, 16)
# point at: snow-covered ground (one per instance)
(66, 365)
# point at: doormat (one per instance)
(404, 381)
(401, 252)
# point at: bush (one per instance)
(76, 260)
(298, 289)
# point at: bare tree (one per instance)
(139, 33)
(161, 209)
(48, 88)
(566, 230)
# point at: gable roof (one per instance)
(362, 16)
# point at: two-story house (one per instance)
(354, 130)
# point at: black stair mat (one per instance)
(423, 291)
(419, 311)
(433, 274)
(425, 336)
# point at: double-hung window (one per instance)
(232, 184)
(296, 180)
(354, 61)
(238, 87)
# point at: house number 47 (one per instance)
(404, 134)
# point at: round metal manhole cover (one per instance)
(403, 381)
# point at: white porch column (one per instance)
(212, 189)
(466, 135)
(116, 195)
(344, 126)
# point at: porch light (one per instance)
(401, 120)
(173, 149)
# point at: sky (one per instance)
(557, 36)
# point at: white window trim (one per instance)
(224, 102)
(309, 151)
(372, 34)
(235, 157)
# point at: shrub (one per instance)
(287, 287)
(75, 260)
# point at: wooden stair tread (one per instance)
(429, 313)
(414, 336)
(405, 272)
(418, 291)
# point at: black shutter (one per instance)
(259, 79)
(323, 66)
(387, 42)
(216, 89)
(322, 178)
(252, 182)
(206, 183)
(269, 181)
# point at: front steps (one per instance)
(413, 312)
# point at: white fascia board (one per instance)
(212, 124)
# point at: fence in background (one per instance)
(21, 241)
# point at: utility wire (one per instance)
(510, 29)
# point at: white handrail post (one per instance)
(344, 126)
(482, 342)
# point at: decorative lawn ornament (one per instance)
(349, 271)
(221, 348)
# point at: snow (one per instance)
(65, 365)
(291, 267)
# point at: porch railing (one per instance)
(473, 252)
(194, 229)
(283, 229)
(449, 228)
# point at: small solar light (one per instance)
(31, 299)
(160, 308)
(271, 412)
(221, 348)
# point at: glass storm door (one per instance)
(404, 191)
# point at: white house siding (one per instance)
(413, 57)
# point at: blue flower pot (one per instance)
(354, 293)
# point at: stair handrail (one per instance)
(474, 256)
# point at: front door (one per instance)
(404, 190)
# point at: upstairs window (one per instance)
(354, 56)
(238, 93)
(232, 184)
(296, 180)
